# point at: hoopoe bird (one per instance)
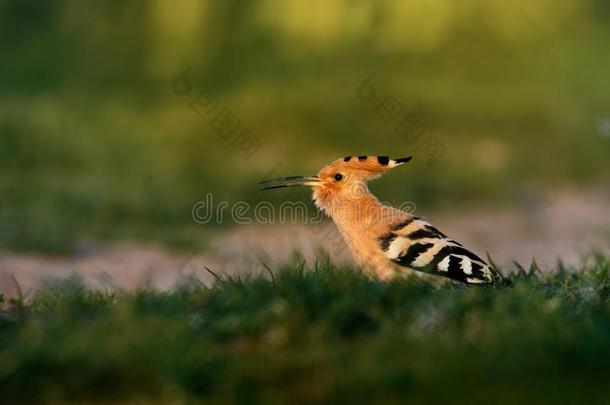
(386, 242)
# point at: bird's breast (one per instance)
(363, 243)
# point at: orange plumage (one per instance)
(386, 242)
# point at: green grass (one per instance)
(312, 335)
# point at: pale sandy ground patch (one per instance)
(562, 225)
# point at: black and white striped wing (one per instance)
(417, 245)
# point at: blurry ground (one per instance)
(561, 225)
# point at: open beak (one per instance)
(291, 181)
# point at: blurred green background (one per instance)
(99, 138)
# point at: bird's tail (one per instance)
(498, 278)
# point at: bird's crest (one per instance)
(376, 164)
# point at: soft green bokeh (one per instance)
(96, 142)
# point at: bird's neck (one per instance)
(351, 210)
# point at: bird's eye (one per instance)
(338, 177)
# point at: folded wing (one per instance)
(417, 245)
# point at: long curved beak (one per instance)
(291, 181)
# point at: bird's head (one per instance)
(343, 180)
